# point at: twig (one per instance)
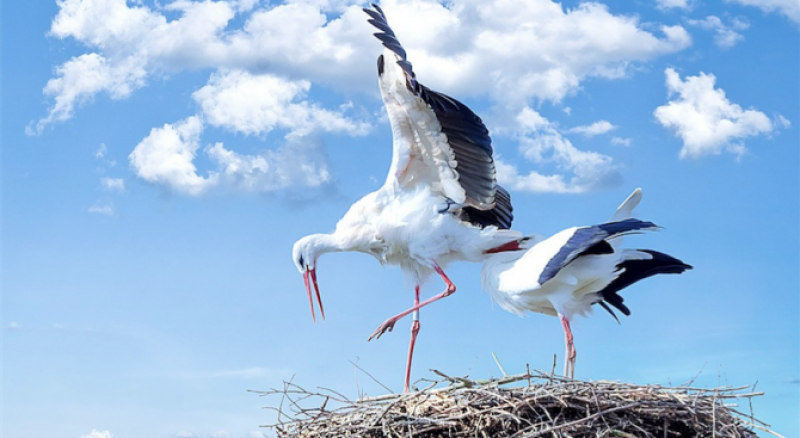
(498, 365)
(370, 376)
(543, 405)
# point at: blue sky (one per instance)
(159, 159)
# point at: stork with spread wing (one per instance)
(440, 202)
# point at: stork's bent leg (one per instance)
(571, 354)
(414, 331)
(388, 325)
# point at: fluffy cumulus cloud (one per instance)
(256, 104)
(725, 35)
(524, 49)
(540, 141)
(166, 157)
(131, 42)
(704, 118)
(82, 77)
(518, 50)
(788, 8)
(268, 59)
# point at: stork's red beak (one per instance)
(310, 272)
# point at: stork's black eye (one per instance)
(301, 261)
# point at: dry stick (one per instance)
(763, 429)
(714, 416)
(696, 375)
(370, 376)
(750, 400)
(280, 407)
(498, 365)
(355, 374)
(387, 408)
(343, 397)
(528, 372)
(478, 404)
(597, 402)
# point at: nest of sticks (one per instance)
(526, 405)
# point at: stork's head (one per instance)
(305, 254)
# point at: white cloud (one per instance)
(166, 157)
(783, 122)
(704, 118)
(725, 36)
(100, 154)
(518, 50)
(522, 49)
(113, 184)
(256, 104)
(134, 42)
(621, 141)
(80, 78)
(542, 143)
(672, 4)
(104, 209)
(267, 56)
(596, 128)
(299, 163)
(788, 8)
(14, 325)
(98, 434)
(101, 151)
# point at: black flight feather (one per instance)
(467, 135)
(585, 238)
(500, 216)
(635, 270)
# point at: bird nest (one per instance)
(526, 405)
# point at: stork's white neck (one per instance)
(338, 241)
(325, 243)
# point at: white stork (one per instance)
(440, 202)
(565, 274)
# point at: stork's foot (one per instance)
(387, 325)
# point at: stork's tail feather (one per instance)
(635, 270)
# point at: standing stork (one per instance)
(565, 274)
(440, 202)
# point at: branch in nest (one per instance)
(543, 406)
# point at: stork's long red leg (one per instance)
(571, 354)
(414, 331)
(388, 325)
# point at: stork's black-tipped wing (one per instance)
(500, 216)
(590, 240)
(465, 149)
(635, 270)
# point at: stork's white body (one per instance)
(565, 274)
(510, 278)
(405, 228)
(440, 201)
